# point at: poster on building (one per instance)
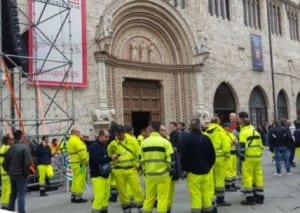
(57, 42)
(257, 54)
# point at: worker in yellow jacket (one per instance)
(231, 169)
(156, 158)
(78, 158)
(125, 169)
(222, 146)
(5, 180)
(251, 151)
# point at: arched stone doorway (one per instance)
(258, 107)
(147, 41)
(224, 102)
(282, 105)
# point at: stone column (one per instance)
(199, 107)
(102, 82)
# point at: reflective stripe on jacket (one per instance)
(156, 155)
(77, 150)
(220, 140)
(126, 158)
(250, 143)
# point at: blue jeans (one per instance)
(283, 153)
(18, 190)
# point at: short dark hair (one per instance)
(243, 114)
(101, 132)
(18, 134)
(44, 137)
(128, 128)
(174, 123)
(297, 124)
(195, 124)
(155, 125)
(120, 129)
(5, 139)
(182, 124)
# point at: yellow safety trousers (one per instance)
(101, 187)
(157, 188)
(45, 171)
(79, 179)
(129, 178)
(198, 185)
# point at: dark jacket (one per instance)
(279, 136)
(297, 138)
(198, 154)
(174, 136)
(17, 160)
(98, 155)
(43, 155)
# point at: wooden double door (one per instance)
(141, 102)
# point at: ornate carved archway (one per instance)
(147, 39)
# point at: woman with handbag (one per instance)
(100, 171)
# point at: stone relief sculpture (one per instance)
(178, 3)
(134, 53)
(144, 52)
(103, 114)
(151, 53)
(105, 26)
(203, 115)
(201, 42)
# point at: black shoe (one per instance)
(44, 195)
(247, 203)
(231, 189)
(80, 200)
(224, 203)
(113, 198)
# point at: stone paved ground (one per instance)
(282, 195)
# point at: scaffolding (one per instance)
(26, 103)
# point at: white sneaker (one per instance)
(276, 174)
(289, 173)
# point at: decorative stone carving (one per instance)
(103, 115)
(134, 51)
(105, 26)
(152, 53)
(202, 114)
(144, 52)
(202, 44)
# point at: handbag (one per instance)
(105, 168)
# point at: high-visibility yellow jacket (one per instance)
(156, 155)
(220, 140)
(77, 150)
(250, 143)
(140, 139)
(128, 157)
(3, 150)
(232, 138)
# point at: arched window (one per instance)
(224, 102)
(282, 105)
(257, 107)
(298, 106)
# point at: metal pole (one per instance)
(271, 63)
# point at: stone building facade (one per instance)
(173, 60)
(199, 55)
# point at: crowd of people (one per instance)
(141, 171)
